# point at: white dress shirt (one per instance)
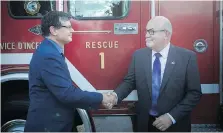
(163, 60)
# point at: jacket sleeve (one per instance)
(128, 84)
(58, 82)
(193, 91)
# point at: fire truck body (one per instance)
(106, 34)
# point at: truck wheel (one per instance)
(14, 113)
(220, 116)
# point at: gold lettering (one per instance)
(110, 44)
(116, 44)
(24, 45)
(2, 45)
(37, 44)
(99, 45)
(29, 46)
(102, 55)
(32, 44)
(7, 45)
(13, 45)
(20, 45)
(93, 45)
(104, 44)
(87, 44)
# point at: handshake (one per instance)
(109, 99)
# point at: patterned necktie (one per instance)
(156, 81)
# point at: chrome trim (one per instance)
(153, 9)
(117, 109)
(85, 119)
(15, 76)
(205, 128)
(159, 7)
(221, 54)
(95, 115)
(93, 31)
(11, 123)
(125, 28)
(204, 125)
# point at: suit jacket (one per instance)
(180, 89)
(53, 96)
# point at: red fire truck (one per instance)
(106, 34)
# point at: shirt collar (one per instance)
(164, 52)
(60, 50)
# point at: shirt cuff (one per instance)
(116, 98)
(172, 119)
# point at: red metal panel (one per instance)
(16, 30)
(193, 20)
(216, 41)
(206, 111)
(87, 60)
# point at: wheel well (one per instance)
(15, 89)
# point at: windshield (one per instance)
(98, 8)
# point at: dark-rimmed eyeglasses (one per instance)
(68, 27)
(152, 31)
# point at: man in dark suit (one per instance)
(53, 98)
(167, 81)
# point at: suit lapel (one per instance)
(170, 64)
(148, 70)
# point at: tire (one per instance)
(220, 116)
(14, 113)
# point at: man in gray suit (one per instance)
(167, 81)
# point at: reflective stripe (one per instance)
(15, 58)
(78, 78)
(24, 58)
(205, 88)
(210, 88)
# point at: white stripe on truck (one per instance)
(77, 77)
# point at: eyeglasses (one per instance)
(152, 31)
(68, 27)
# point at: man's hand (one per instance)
(109, 99)
(163, 122)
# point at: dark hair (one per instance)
(53, 18)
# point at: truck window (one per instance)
(98, 9)
(30, 9)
